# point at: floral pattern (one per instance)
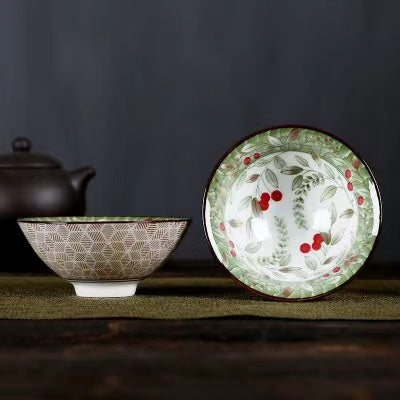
(292, 213)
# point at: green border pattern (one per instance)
(318, 145)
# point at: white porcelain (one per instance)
(292, 212)
(105, 289)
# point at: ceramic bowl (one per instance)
(103, 256)
(292, 212)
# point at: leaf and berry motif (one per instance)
(323, 242)
(266, 189)
(301, 186)
(307, 178)
(308, 170)
(280, 256)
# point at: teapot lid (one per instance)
(21, 157)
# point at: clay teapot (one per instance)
(34, 184)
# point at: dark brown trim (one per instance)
(149, 220)
(221, 159)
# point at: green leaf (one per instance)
(244, 203)
(333, 213)
(279, 163)
(255, 207)
(302, 161)
(337, 237)
(316, 158)
(253, 247)
(236, 271)
(271, 177)
(330, 172)
(297, 181)
(326, 237)
(347, 213)
(263, 161)
(248, 228)
(249, 147)
(311, 263)
(274, 140)
(289, 269)
(252, 178)
(328, 260)
(285, 260)
(338, 160)
(235, 223)
(292, 170)
(328, 193)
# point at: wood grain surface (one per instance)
(230, 358)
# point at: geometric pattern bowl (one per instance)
(103, 256)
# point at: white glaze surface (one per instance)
(105, 289)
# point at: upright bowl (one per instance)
(103, 256)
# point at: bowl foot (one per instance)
(105, 289)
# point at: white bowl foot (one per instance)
(105, 289)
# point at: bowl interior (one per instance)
(292, 212)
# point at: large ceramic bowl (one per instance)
(292, 212)
(103, 256)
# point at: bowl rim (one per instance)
(101, 220)
(265, 130)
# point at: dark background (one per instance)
(152, 92)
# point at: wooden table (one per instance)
(231, 358)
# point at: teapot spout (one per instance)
(80, 178)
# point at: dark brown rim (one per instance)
(226, 153)
(29, 220)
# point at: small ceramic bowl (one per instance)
(292, 212)
(103, 256)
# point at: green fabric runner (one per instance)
(188, 298)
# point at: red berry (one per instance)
(276, 195)
(305, 248)
(356, 163)
(350, 186)
(265, 197)
(316, 246)
(231, 244)
(257, 155)
(325, 275)
(318, 238)
(348, 173)
(360, 200)
(222, 226)
(233, 253)
(336, 269)
(247, 160)
(264, 205)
